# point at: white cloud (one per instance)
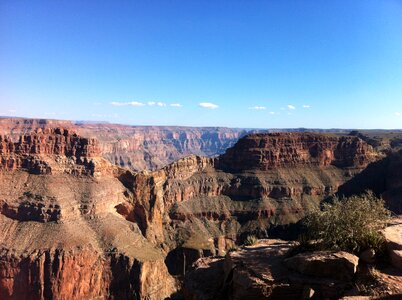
(149, 103)
(290, 106)
(306, 106)
(398, 114)
(153, 103)
(132, 103)
(208, 105)
(271, 112)
(257, 107)
(136, 103)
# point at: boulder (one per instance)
(393, 236)
(337, 265)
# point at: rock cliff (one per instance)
(261, 185)
(264, 152)
(31, 150)
(62, 237)
(138, 147)
(384, 177)
(75, 226)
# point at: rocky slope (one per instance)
(269, 270)
(201, 206)
(138, 147)
(76, 226)
(62, 237)
(384, 177)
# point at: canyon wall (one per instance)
(81, 227)
(202, 206)
(138, 147)
(62, 237)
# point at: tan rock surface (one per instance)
(393, 235)
(62, 237)
(325, 264)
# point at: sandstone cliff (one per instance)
(138, 147)
(263, 183)
(62, 237)
(123, 235)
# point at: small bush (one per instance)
(234, 248)
(350, 224)
(250, 240)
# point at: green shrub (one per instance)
(250, 240)
(350, 224)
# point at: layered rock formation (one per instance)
(76, 226)
(384, 177)
(283, 150)
(138, 147)
(62, 237)
(31, 150)
(201, 206)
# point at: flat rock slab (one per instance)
(259, 272)
(337, 265)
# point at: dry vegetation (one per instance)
(351, 224)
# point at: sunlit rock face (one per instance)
(138, 147)
(62, 237)
(76, 226)
(263, 184)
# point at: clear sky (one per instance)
(231, 63)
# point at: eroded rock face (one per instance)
(31, 150)
(138, 147)
(62, 237)
(382, 177)
(136, 226)
(196, 201)
(269, 151)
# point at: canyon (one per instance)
(77, 224)
(138, 147)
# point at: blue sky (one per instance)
(265, 64)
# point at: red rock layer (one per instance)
(29, 150)
(269, 151)
(138, 147)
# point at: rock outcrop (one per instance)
(31, 150)
(138, 147)
(61, 205)
(260, 272)
(382, 177)
(62, 237)
(325, 264)
(269, 151)
(200, 206)
(393, 236)
(267, 270)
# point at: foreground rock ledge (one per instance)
(262, 272)
(339, 265)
